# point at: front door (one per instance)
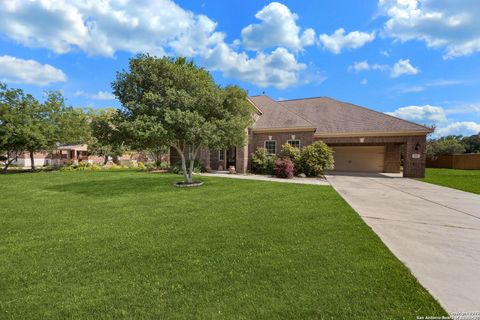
(231, 157)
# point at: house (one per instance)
(362, 139)
(71, 154)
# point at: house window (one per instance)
(294, 143)
(221, 155)
(271, 146)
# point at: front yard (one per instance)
(466, 180)
(113, 245)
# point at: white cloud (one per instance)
(278, 27)
(402, 67)
(452, 25)
(161, 27)
(279, 69)
(438, 116)
(17, 70)
(426, 114)
(434, 83)
(364, 81)
(360, 66)
(458, 128)
(100, 95)
(338, 41)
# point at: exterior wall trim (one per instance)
(282, 130)
(371, 134)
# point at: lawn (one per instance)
(466, 180)
(116, 245)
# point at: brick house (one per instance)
(72, 154)
(362, 139)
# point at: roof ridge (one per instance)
(319, 97)
(287, 109)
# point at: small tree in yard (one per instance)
(171, 102)
(315, 159)
(106, 139)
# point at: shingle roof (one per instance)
(274, 115)
(335, 117)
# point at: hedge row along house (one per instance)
(363, 140)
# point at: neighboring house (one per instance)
(362, 139)
(71, 154)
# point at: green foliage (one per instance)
(445, 146)
(141, 165)
(85, 166)
(29, 125)
(106, 137)
(472, 143)
(172, 102)
(177, 167)
(315, 159)
(262, 162)
(291, 153)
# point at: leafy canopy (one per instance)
(172, 102)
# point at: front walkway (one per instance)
(433, 230)
(316, 181)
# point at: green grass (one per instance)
(466, 180)
(115, 245)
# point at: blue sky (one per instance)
(419, 60)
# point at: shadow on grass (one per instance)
(128, 185)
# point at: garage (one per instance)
(361, 158)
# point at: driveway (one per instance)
(433, 230)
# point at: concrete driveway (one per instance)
(433, 230)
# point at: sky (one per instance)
(414, 59)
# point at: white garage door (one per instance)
(367, 159)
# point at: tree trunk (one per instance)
(9, 161)
(191, 157)
(187, 177)
(32, 160)
(105, 159)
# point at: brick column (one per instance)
(392, 158)
(415, 154)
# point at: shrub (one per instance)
(141, 165)
(284, 168)
(289, 152)
(262, 162)
(315, 159)
(177, 167)
(166, 165)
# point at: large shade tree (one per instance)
(172, 102)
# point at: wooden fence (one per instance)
(468, 161)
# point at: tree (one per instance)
(445, 146)
(472, 143)
(51, 124)
(12, 124)
(106, 138)
(172, 102)
(28, 125)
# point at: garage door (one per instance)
(367, 159)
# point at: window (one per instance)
(271, 146)
(221, 155)
(294, 143)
